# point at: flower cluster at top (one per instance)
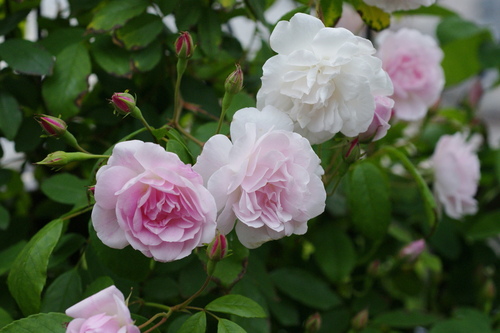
(265, 182)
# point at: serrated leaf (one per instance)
(237, 305)
(227, 326)
(65, 188)
(305, 288)
(112, 58)
(146, 59)
(373, 16)
(369, 200)
(11, 21)
(29, 271)
(39, 323)
(180, 150)
(8, 255)
(332, 11)
(63, 292)
(64, 90)
(115, 13)
(10, 115)
(196, 323)
(26, 57)
(209, 33)
(139, 31)
(59, 39)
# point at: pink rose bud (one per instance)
(184, 46)
(351, 151)
(217, 249)
(61, 158)
(380, 123)
(52, 126)
(313, 323)
(489, 290)
(412, 250)
(123, 103)
(476, 92)
(234, 81)
(360, 320)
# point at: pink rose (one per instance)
(380, 123)
(413, 61)
(148, 198)
(105, 311)
(268, 177)
(456, 174)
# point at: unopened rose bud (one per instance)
(61, 158)
(360, 320)
(123, 103)
(234, 82)
(313, 323)
(373, 268)
(52, 126)
(217, 249)
(351, 151)
(380, 123)
(184, 46)
(489, 290)
(413, 250)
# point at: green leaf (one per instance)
(65, 188)
(227, 326)
(485, 226)
(64, 90)
(26, 57)
(146, 59)
(5, 318)
(102, 282)
(59, 39)
(369, 200)
(405, 319)
(11, 21)
(334, 252)
(8, 255)
(29, 271)
(240, 100)
(39, 323)
(209, 33)
(180, 149)
(332, 10)
(232, 268)
(187, 13)
(306, 288)
(374, 17)
(425, 192)
(10, 115)
(113, 14)
(257, 8)
(4, 218)
(139, 31)
(238, 305)
(112, 58)
(196, 323)
(65, 291)
(464, 321)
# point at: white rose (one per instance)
(394, 5)
(325, 79)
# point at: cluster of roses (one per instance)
(265, 182)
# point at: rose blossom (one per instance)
(268, 177)
(148, 198)
(380, 123)
(393, 5)
(456, 174)
(105, 311)
(413, 61)
(323, 78)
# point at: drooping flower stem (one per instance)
(184, 304)
(164, 315)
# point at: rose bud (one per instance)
(411, 251)
(61, 158)
(184, 46)
(351, 151)
(217, 249)
(123, 103)
(53, 126)
(380, 123)
(360, 320)
(234, 81)
(313, 323)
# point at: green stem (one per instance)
(181, 68)
(184, 304)
(136, 113)
(189, 136)
(165, 316)
(226, 102)
(156, 305)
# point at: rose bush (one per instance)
(413, 61)
(148, 198)
(456, 174)
(267, 177)
(380, 123)
(325, 79)
(104, 311)
(394, 5)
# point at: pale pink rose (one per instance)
(324, 78)
(380, 123)
(146, 197)
(456, 174)
(268, 178)
(413, 61)
(105, 311)
(394, 5)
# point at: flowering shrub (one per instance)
(312, 181)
